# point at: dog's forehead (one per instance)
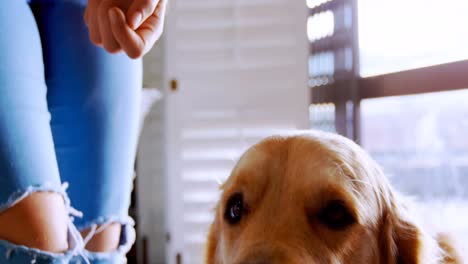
(248, 169)
(283, 159)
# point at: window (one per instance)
(322, 117)
(420, 141)
(398, 35)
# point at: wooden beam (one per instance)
(329, 5)
(339, 91)
(444, 77)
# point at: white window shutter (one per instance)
(241, 70)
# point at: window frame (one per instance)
(354, 88)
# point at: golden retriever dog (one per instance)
(313, 199)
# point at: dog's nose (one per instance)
(262, 257)
(256, 261)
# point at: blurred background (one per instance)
(390, 75)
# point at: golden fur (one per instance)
(285, 181)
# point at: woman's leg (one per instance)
(32, 209)
(94, 102)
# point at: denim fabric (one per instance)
(127, 238)
(68, 112)
(81, 2)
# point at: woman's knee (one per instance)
(38, 221)
(105, 239)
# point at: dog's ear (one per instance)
(212, 245)
(402, 241)
(447, 244)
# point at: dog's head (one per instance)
(316, 198)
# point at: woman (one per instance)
(69, 116)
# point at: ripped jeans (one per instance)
(68, 114)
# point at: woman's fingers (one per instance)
(128, 39)
(160, 13)
(110, 28)
(107, 37)
(92, 22)
(150, 31)
(137, 42)
(140, 11)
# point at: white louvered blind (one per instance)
(241, 70)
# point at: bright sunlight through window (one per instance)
(396, 35)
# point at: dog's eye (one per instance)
(336, 216)
(234, 209)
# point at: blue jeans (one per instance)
(68, 114)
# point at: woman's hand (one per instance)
(129, 25)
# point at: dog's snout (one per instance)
(259, 260)
(256, 262)
(263, 256)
